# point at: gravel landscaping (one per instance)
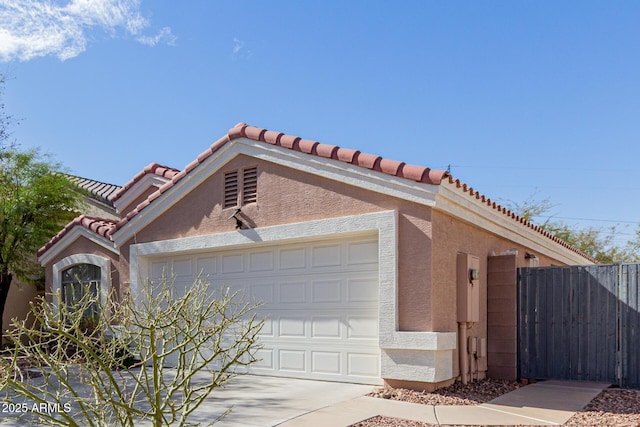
(473, 393)
(612, 407)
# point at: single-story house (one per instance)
(96, 201)
(371, 270)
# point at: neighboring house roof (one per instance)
(98, 190)
(420, 174)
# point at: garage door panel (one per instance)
(291, 327)
(293, 258)
(363, 365)
(362, 253)
(363, 289)
(326, 362)
(265, 293)
(233, 263)
(261, 261)
(363, 328)
(206, 265)
(268, 329)
(183, 268)
(326, 291)
(265, 359)
(292, 293)
(326, 256)
(292, 360)
(326, 327)
(319, 301)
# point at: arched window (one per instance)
(77, 280)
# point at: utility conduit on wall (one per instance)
(468, 307)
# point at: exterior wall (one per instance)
(425, 272)
(450, 237)
(17, 305)
(123, 211)
(288, 196)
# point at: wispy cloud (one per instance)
(239, 50)
(164, 36)
(237, 45)
(31, 29)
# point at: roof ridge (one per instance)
(98, 225)
(151, 168)
(242, 130)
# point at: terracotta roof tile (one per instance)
(515, 217)
(307, 146)
(369, 161)
(154, 168)
(289, 141)
(101, 226)
(391, 167)
(347, 155)
(272, 137)
(327, 151)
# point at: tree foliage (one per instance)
(35, 203)
(111, 370)
(597, 242)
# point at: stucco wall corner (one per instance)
(432, 341)
(417, 365)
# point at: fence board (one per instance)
(630, 326)
(580, 323)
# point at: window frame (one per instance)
(77, 282)
(64, 264)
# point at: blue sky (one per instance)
(517, 97)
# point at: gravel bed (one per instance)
(473, 393)
(612, 407)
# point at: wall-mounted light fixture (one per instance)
(474, 274)
(527, 255)
(239, 223)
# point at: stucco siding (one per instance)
(452, 236)
(124, 210)
(17, 304)
(287, 196)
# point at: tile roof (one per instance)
(242, 130)
(98, 190)
(151, 168)
(355, 157)
(483, 199)
(101, 226)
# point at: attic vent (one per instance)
(240, 187)
(250, 185)
(231, 189)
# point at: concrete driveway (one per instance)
(253, 400)
(270, 401)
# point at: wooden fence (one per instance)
(580, 323)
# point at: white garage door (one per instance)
(320, 303)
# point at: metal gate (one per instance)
(580, 323)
